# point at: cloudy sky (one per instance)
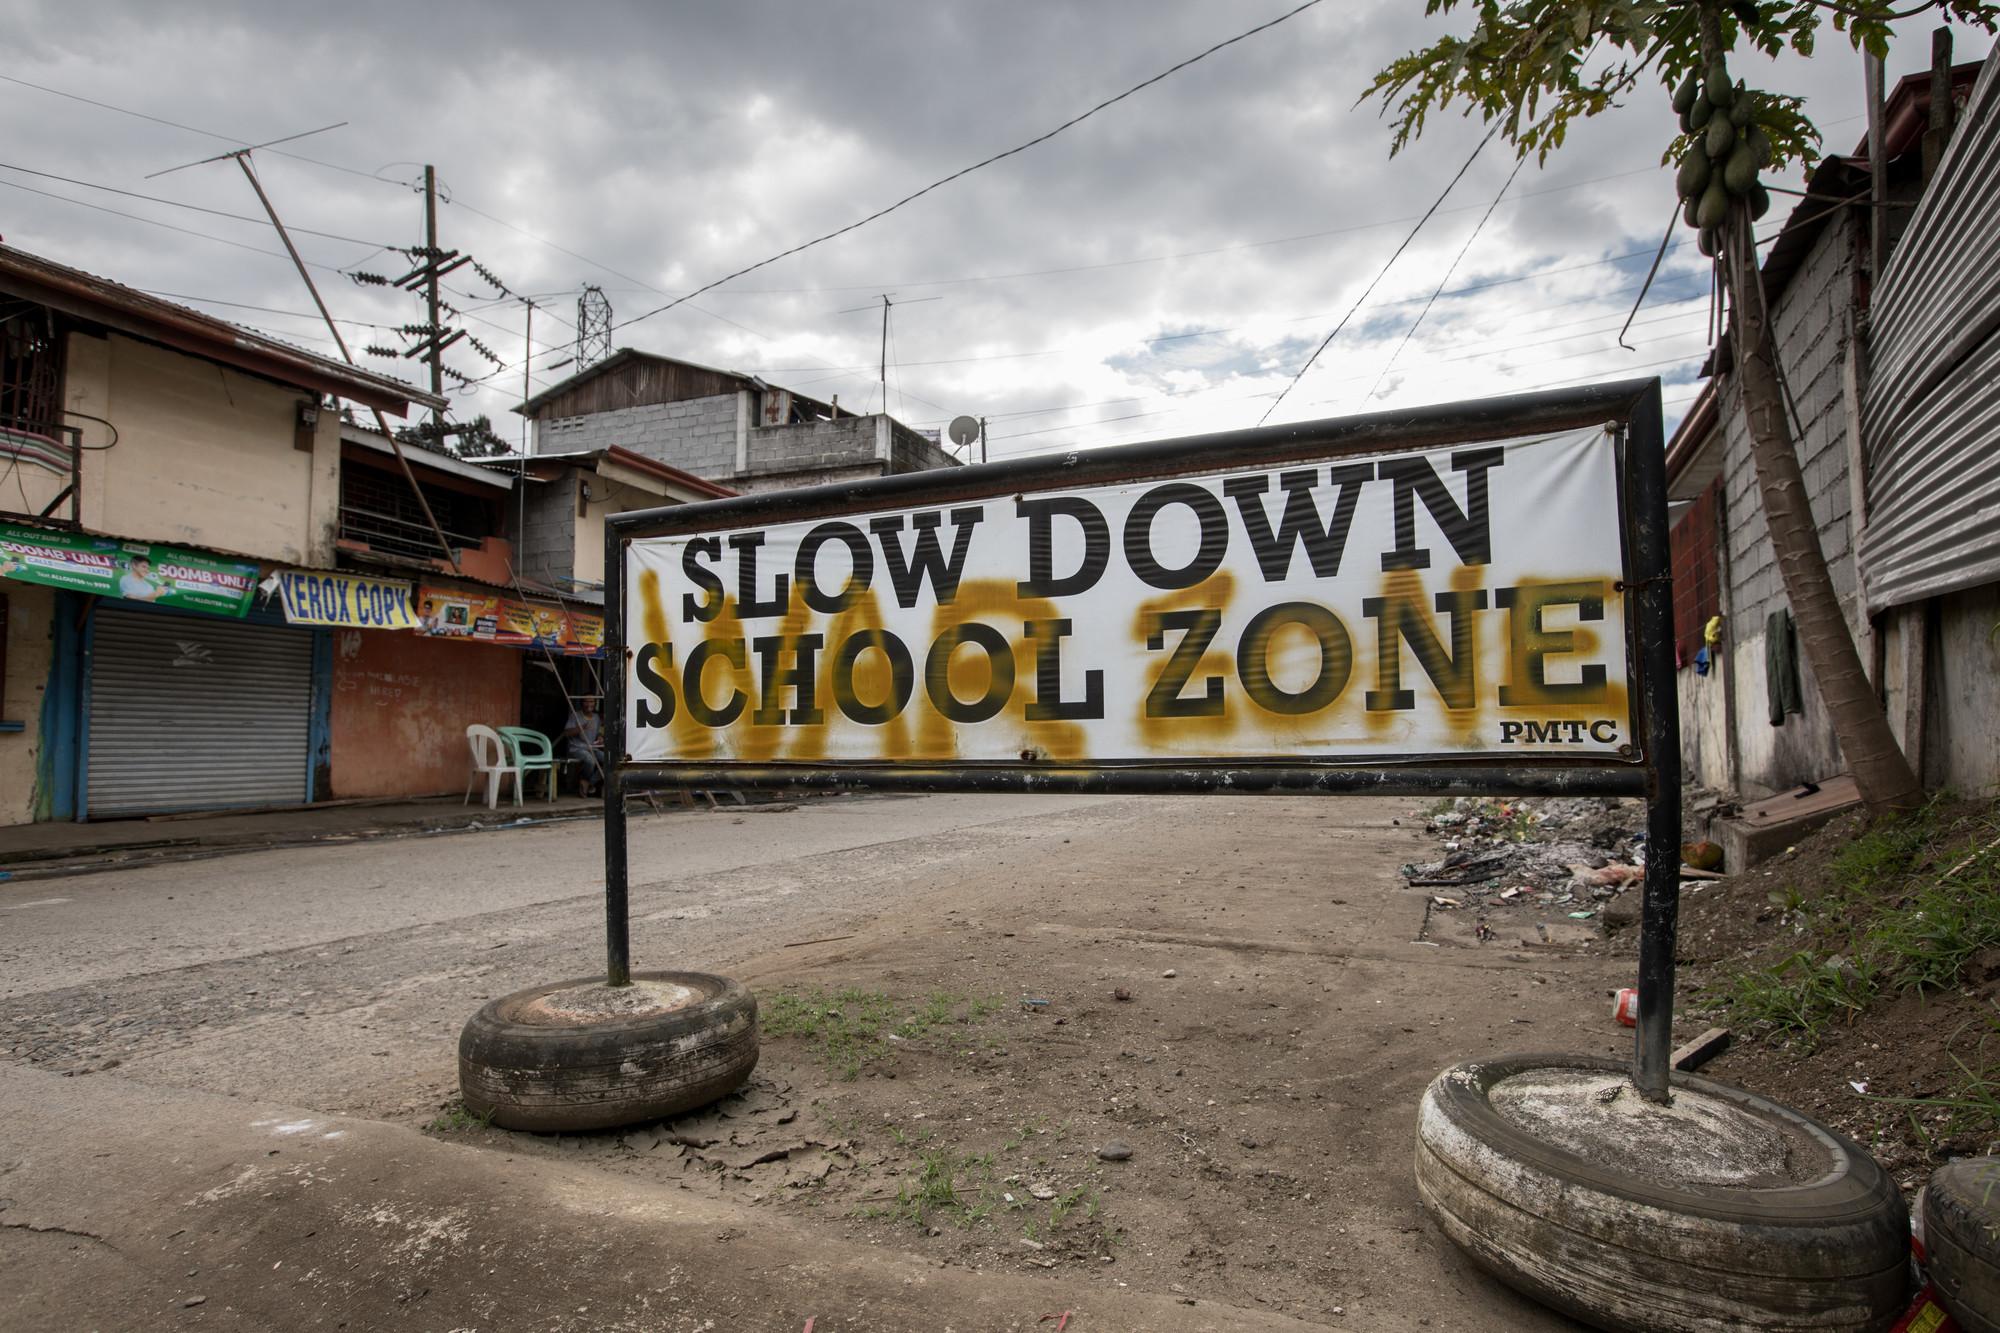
(1162, 269)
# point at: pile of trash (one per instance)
(1550, 852)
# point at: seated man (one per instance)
(583, 741)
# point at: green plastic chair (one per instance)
(532, 753)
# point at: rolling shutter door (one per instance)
(189, 713)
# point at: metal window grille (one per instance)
(378, 508)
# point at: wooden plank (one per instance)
(1702, 1049)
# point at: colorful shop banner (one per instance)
(490, 618)
(316, 597)
(136, 571)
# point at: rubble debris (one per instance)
(1580, 857)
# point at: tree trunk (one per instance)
(1873, 757)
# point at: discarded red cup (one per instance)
(1626, 1007)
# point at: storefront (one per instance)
(186, 712)
(178, 681)
(167, 690)
(402, 702)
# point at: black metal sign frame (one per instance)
(1632, 407)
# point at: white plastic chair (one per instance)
(490, 758)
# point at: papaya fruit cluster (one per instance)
(1726, 150)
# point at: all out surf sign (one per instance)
(1290, 597)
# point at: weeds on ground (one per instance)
(948, 1187)
(455, 1118)
(851, 1028)
(1969, 1107)
(1908, 906)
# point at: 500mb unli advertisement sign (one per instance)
(1458, 603)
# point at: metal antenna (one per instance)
(242, 159)
(248, 148)
(882, 368)
(593, 327)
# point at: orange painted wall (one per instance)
(401, 703)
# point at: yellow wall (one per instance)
(30, 612)
(205, 455)
(613, 498)
(27, 489)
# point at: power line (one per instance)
(987, 162)
(1445, 277)
(1066, 270)
(1466, 290)
(1355, 379)
(197, 208)
(1380, 274)
(543, 240)
(155, 222)
(193, 129)
(1512, 345)
(265, 309)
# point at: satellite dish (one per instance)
(964, 430)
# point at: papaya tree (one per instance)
(1535, 66)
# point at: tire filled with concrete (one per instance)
(583, 1055)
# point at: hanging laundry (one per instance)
(1781, 667)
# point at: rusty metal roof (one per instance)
(101, 301)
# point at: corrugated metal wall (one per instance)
(1931, 423)
(190, 712)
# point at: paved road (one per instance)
(1306, 1017)
(66, 932)
(337, 978)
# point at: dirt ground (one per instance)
(1906, 1073)
(1249, 1003)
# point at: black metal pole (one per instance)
(1653, 615)
(617, 916)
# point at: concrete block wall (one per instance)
(759, 482)
(697, 435)
(1812, 335)
(841, 446)
(814, 446)
(546, 547)
(911, 452)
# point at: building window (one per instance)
(379, 511)
(1697, 570)
(30, 368)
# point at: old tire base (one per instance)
(578, 1055)
(1625, 1237)
(1962, 1240)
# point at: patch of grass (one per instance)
(1082, 1197)
(455, 1118)
(851, 1028)
(1027, 1129)
(1908, 906)
(1797, 996)
(1928, 942)
(1885, 851)
(949, 1187)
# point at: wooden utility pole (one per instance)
(436, 357)
(527, 380)
(1878, 168)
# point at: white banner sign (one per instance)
(1458, 603)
